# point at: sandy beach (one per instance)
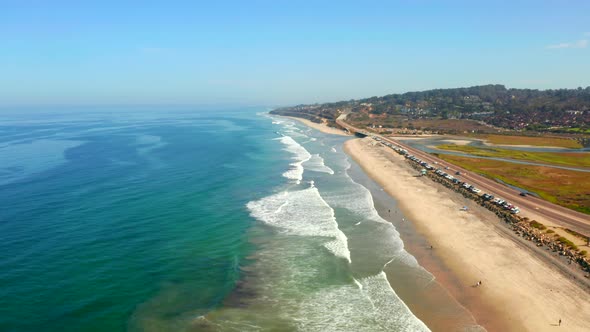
(519, 292)
(320, 126)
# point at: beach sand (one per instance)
(320, 126)
(519, 291)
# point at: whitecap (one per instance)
(369, 302)
(316, 164)
(300, 155)
(290, 212)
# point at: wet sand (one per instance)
(519, 290)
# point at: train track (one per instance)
(529, 205)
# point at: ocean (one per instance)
(190, 219)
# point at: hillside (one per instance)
(490, 106)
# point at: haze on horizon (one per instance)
(283, 52)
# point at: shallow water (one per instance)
(183, 219)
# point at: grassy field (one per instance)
(557, 158)
(579, 130)
(531, 140)
(566, 188)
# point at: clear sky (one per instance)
(282, 52)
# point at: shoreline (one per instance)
(519, 290)
(421, 300)
(319, 126)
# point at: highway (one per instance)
(529, 205)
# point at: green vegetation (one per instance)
(563, 187)
(549, 231)
(581, 236)
(581, 159)
(537, 225)
(493, 106)
(578, 130)
(583, 253)
(567, 242)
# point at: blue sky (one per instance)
(282, 52)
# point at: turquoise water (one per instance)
(103, 212)
(191, 220)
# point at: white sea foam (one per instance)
(316, 164)
(300, 155)
(295, 134)
(368, 304)
(386, 302)
(358, 200)
(291, 266)
(290, 212)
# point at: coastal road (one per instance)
(555, 214)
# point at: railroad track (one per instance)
(529, 205)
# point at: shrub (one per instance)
(549, 231)
(567, 242)
(583, 237)
(538, 225)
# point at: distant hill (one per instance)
(562, 109)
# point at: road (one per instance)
(529, 205)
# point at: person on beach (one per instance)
(559, 324)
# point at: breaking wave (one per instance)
(300, 155)
(316, 164)
(302, 213)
